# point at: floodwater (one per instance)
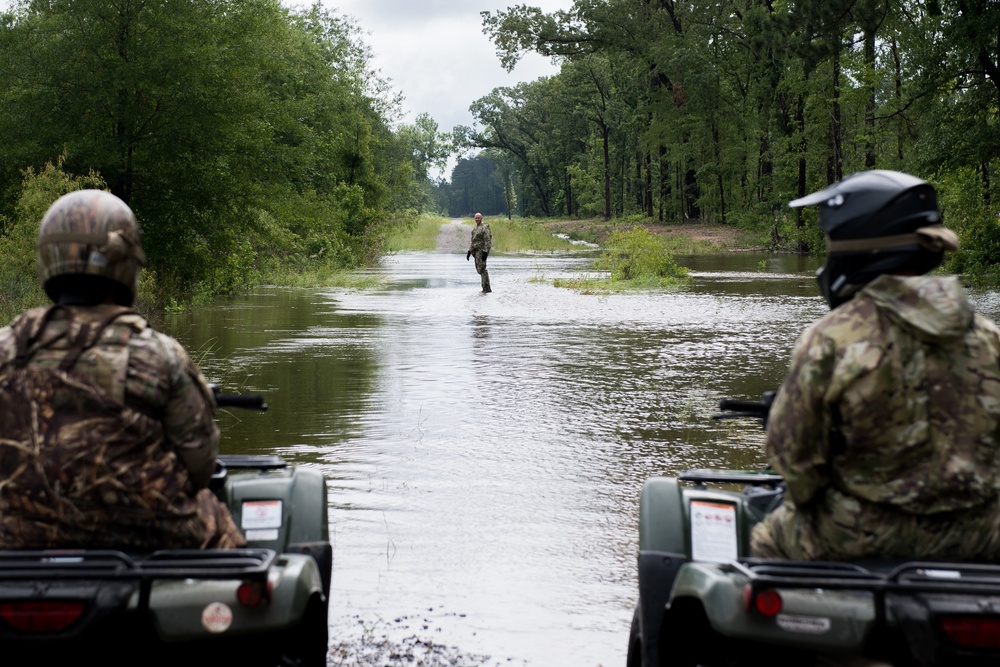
(485, 452)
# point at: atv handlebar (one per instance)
(248, 401)
(734, 408)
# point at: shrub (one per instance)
(640, 256)
(19, 288)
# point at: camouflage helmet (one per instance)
(877, 222)
(90, 237)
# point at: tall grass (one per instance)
(524, 235)
(418, 236)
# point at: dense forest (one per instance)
(724, 110)
(246, 136)
(250, 137)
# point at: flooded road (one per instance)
(485, 452)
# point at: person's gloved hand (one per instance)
(467, 255)
(485, 255)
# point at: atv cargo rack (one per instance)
(911, 578)
(111, 565)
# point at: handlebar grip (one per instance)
(248, 401)
(744, 406)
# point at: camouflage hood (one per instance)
(934, 308)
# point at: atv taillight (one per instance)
(252, 592)
(767, 602)
(980, 632)
(44, 616)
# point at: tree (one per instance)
(242, 133)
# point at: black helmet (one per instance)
(877, 222)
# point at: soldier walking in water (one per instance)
(482, 243)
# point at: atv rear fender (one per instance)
(665, 546)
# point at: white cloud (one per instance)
(435, 53)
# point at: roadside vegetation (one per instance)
(723, 114)
(255, 142)
(525, 235)
(631, 259)
(418, 234)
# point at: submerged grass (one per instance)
(632, 259)
(603, 284)
(327, 277)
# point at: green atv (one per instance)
(263, 605)
(704, 601)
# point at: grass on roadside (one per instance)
(525, 235)
(517, 235)
(421, 236)
(327, 277)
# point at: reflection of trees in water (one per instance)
(316, 368)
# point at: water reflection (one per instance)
(485, 452)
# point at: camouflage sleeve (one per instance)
(796, 442)
(487, 238)
(188, 419)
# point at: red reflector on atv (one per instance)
(767, 602)
(252, 593)
(973, 631)
(40, 616)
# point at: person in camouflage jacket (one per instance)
(479, 247)
(107, 436)
(887, 427)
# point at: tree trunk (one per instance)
(869, 39)
(835, 171)
(607, 171)
(648, 200)
(664, 183)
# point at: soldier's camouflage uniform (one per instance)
(887, 430)
(481, 244)
(133, 477)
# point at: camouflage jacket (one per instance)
(893, 398)
(135, 365)
(482, 238)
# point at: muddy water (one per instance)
(485, 452)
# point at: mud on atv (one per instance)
(704, 601)
(262, 605)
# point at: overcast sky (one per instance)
(436, 55)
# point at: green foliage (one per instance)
(19, 287)
(479, 184)
(247, 137)
(725, 112)
(413, 232)
(638, 256)
(978, 257)
(521, 235)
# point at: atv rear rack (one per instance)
(63, 564)
(117, 566)
(916, 576)
(908, 578)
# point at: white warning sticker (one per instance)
(261, 514)
(713, 532)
